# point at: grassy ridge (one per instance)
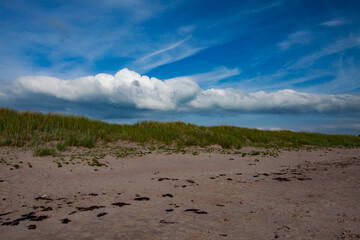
(33, 129)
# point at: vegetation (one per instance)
(61, 146)
(44, 151)
(34, 129)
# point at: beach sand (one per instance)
(306, 194)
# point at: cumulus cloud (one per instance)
(129, 90)
(125, 87)
(282, 101)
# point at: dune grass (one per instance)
(31, 129)
(44, 151)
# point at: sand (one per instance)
(297, 195)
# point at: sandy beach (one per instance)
(305, 194)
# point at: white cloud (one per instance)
(157, 52)
(186, 29)
(166, 54)
(338, 46)
(345, 77)
(272, 128)
(334, 23)
(130, 89)
(275, 129)
(279, 101)
(300, 37)
(125, 87)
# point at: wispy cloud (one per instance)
(170, 53)
(2, 95)
(338, 46)
(297, 38)
(345, 78)
(266, 7)
(334, 23)
(87, 31)
(136, 10)
(186, 29)
(157, 52)
(244, 13)
(211, 79)
(285, 80)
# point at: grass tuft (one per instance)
(44, 151)
(61, 146)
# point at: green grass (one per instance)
(95, 162)
(61, 146)
(33, 129)
(44, 151)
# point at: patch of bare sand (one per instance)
(298, 195)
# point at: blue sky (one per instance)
(260, 64)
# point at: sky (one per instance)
(260, 64)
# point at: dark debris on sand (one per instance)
(31, 227)
(29, 216)
(120, 204)
(197, 211)
(281, 179)
(142, 199)
(65, 221)
(101, 214)
(167, 195)
(82, 209)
